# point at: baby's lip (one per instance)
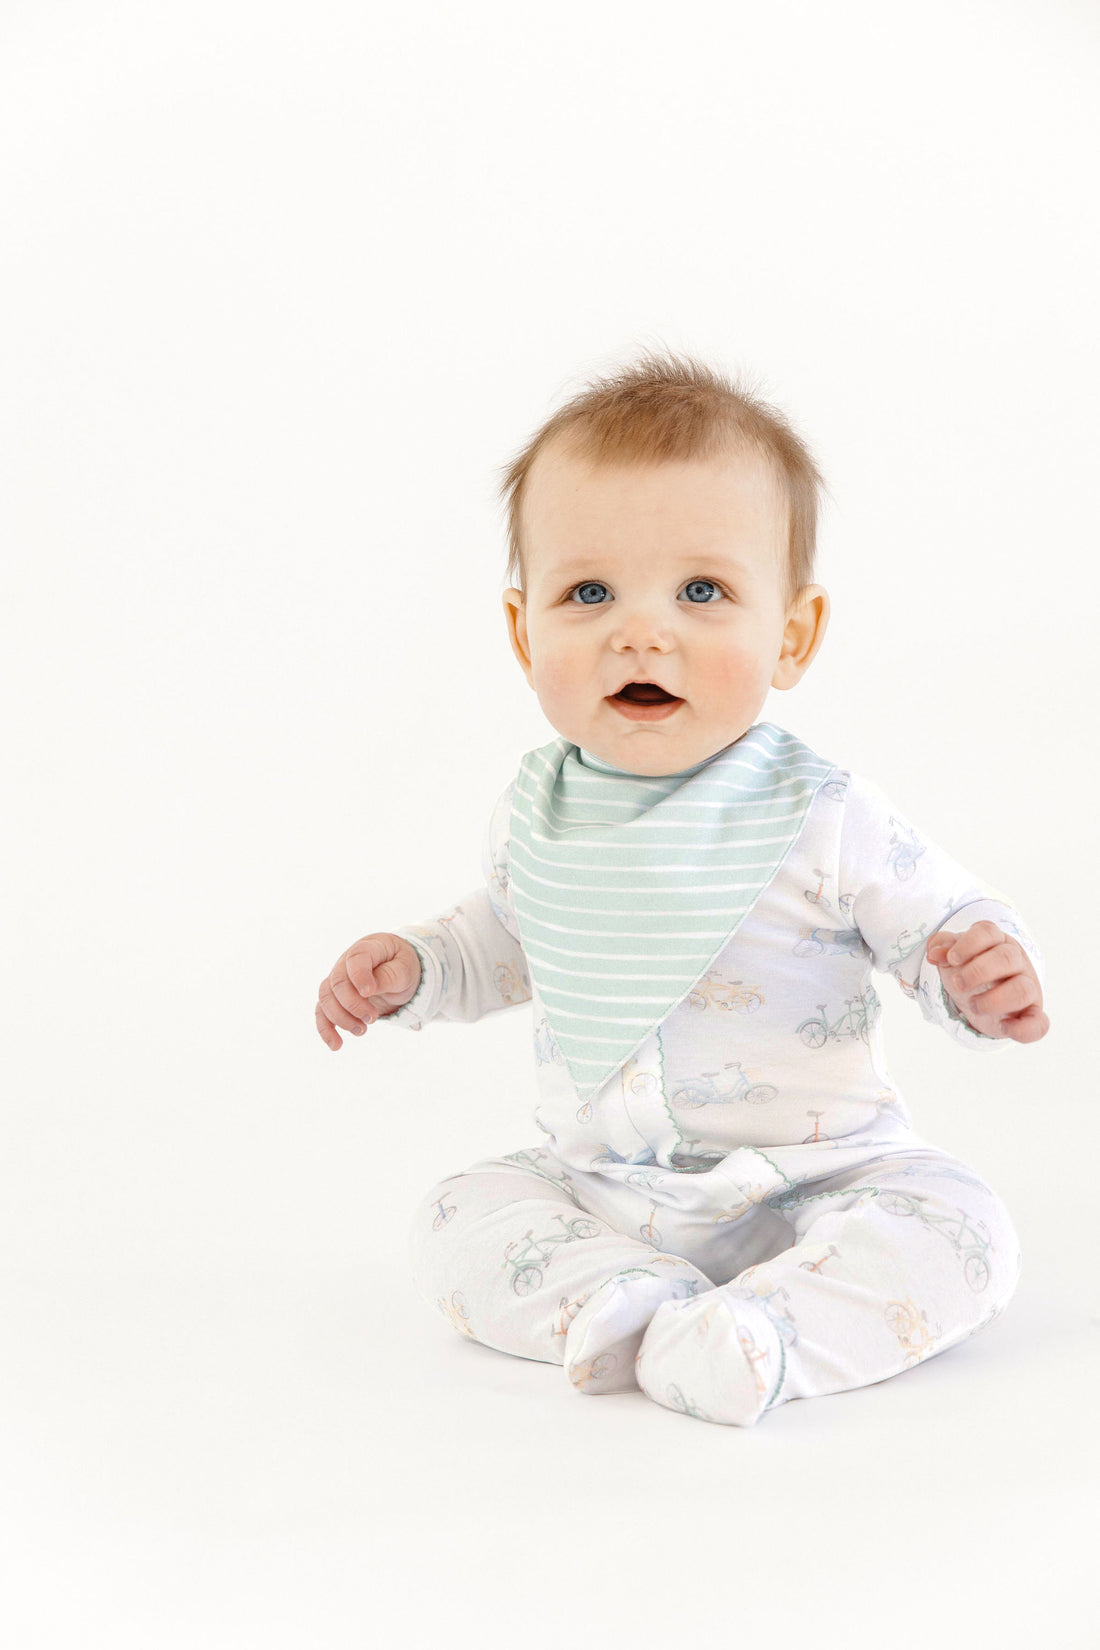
(649, 681)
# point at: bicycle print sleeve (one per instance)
(901, 889)
(471, 957)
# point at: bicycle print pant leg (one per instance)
(509, 1256)
(892, 1263)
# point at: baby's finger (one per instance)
(326, 1028)
(978, 937)
(360, 973)
(347, 996)
(1027, 1027)
(1007, 997)
(336, 1012)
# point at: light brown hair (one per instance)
(668, 408)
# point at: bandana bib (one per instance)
(626, 887)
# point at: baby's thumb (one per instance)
(388, 976)
(394, 976)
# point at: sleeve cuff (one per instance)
(937, 1005)
(422, 1005)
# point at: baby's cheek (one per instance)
(731, 673)
(556, 678)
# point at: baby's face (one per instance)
(669, 574)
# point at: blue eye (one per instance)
(582, 588)
(586, 594)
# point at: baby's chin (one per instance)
(653, 749)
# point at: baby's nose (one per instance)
(642, 626)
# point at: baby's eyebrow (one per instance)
(706, 562)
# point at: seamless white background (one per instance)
(284, 288)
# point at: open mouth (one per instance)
(644, 693)
(644, 701)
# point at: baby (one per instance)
(729, 1207)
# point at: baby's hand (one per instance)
(991, 980)
(375, 977)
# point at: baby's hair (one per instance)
(674, 407)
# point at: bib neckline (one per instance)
(598, 765)
(627, 887)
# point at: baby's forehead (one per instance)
(730, 511)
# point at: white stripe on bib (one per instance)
(626, 887)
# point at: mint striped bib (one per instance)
(627, 887)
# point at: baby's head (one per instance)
(662, 529)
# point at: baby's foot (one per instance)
(603, 1339)
(720, 1360)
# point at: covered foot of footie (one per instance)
(719, 1359)
(603, 1339)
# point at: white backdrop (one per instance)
(284, 288)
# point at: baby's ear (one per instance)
(515, 611)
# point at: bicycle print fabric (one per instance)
(741, 1212)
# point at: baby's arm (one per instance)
(903, 889)
(471, 958)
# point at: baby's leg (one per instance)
(506, 1252)
(893, 1263)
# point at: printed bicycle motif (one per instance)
(608, 1155)
(765, 1293)
(676, 1400)
(854, 1022)
(527, 1274)
(530, 1160)
(512, 987)
(965, 1239)
(718, 992)
(910, 1324)
(837, 941)
(444, 1215)
(905, 850)
(546, 1048)
(702, 1091)
(814, 895)
(908, 941)
(457, 1311)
